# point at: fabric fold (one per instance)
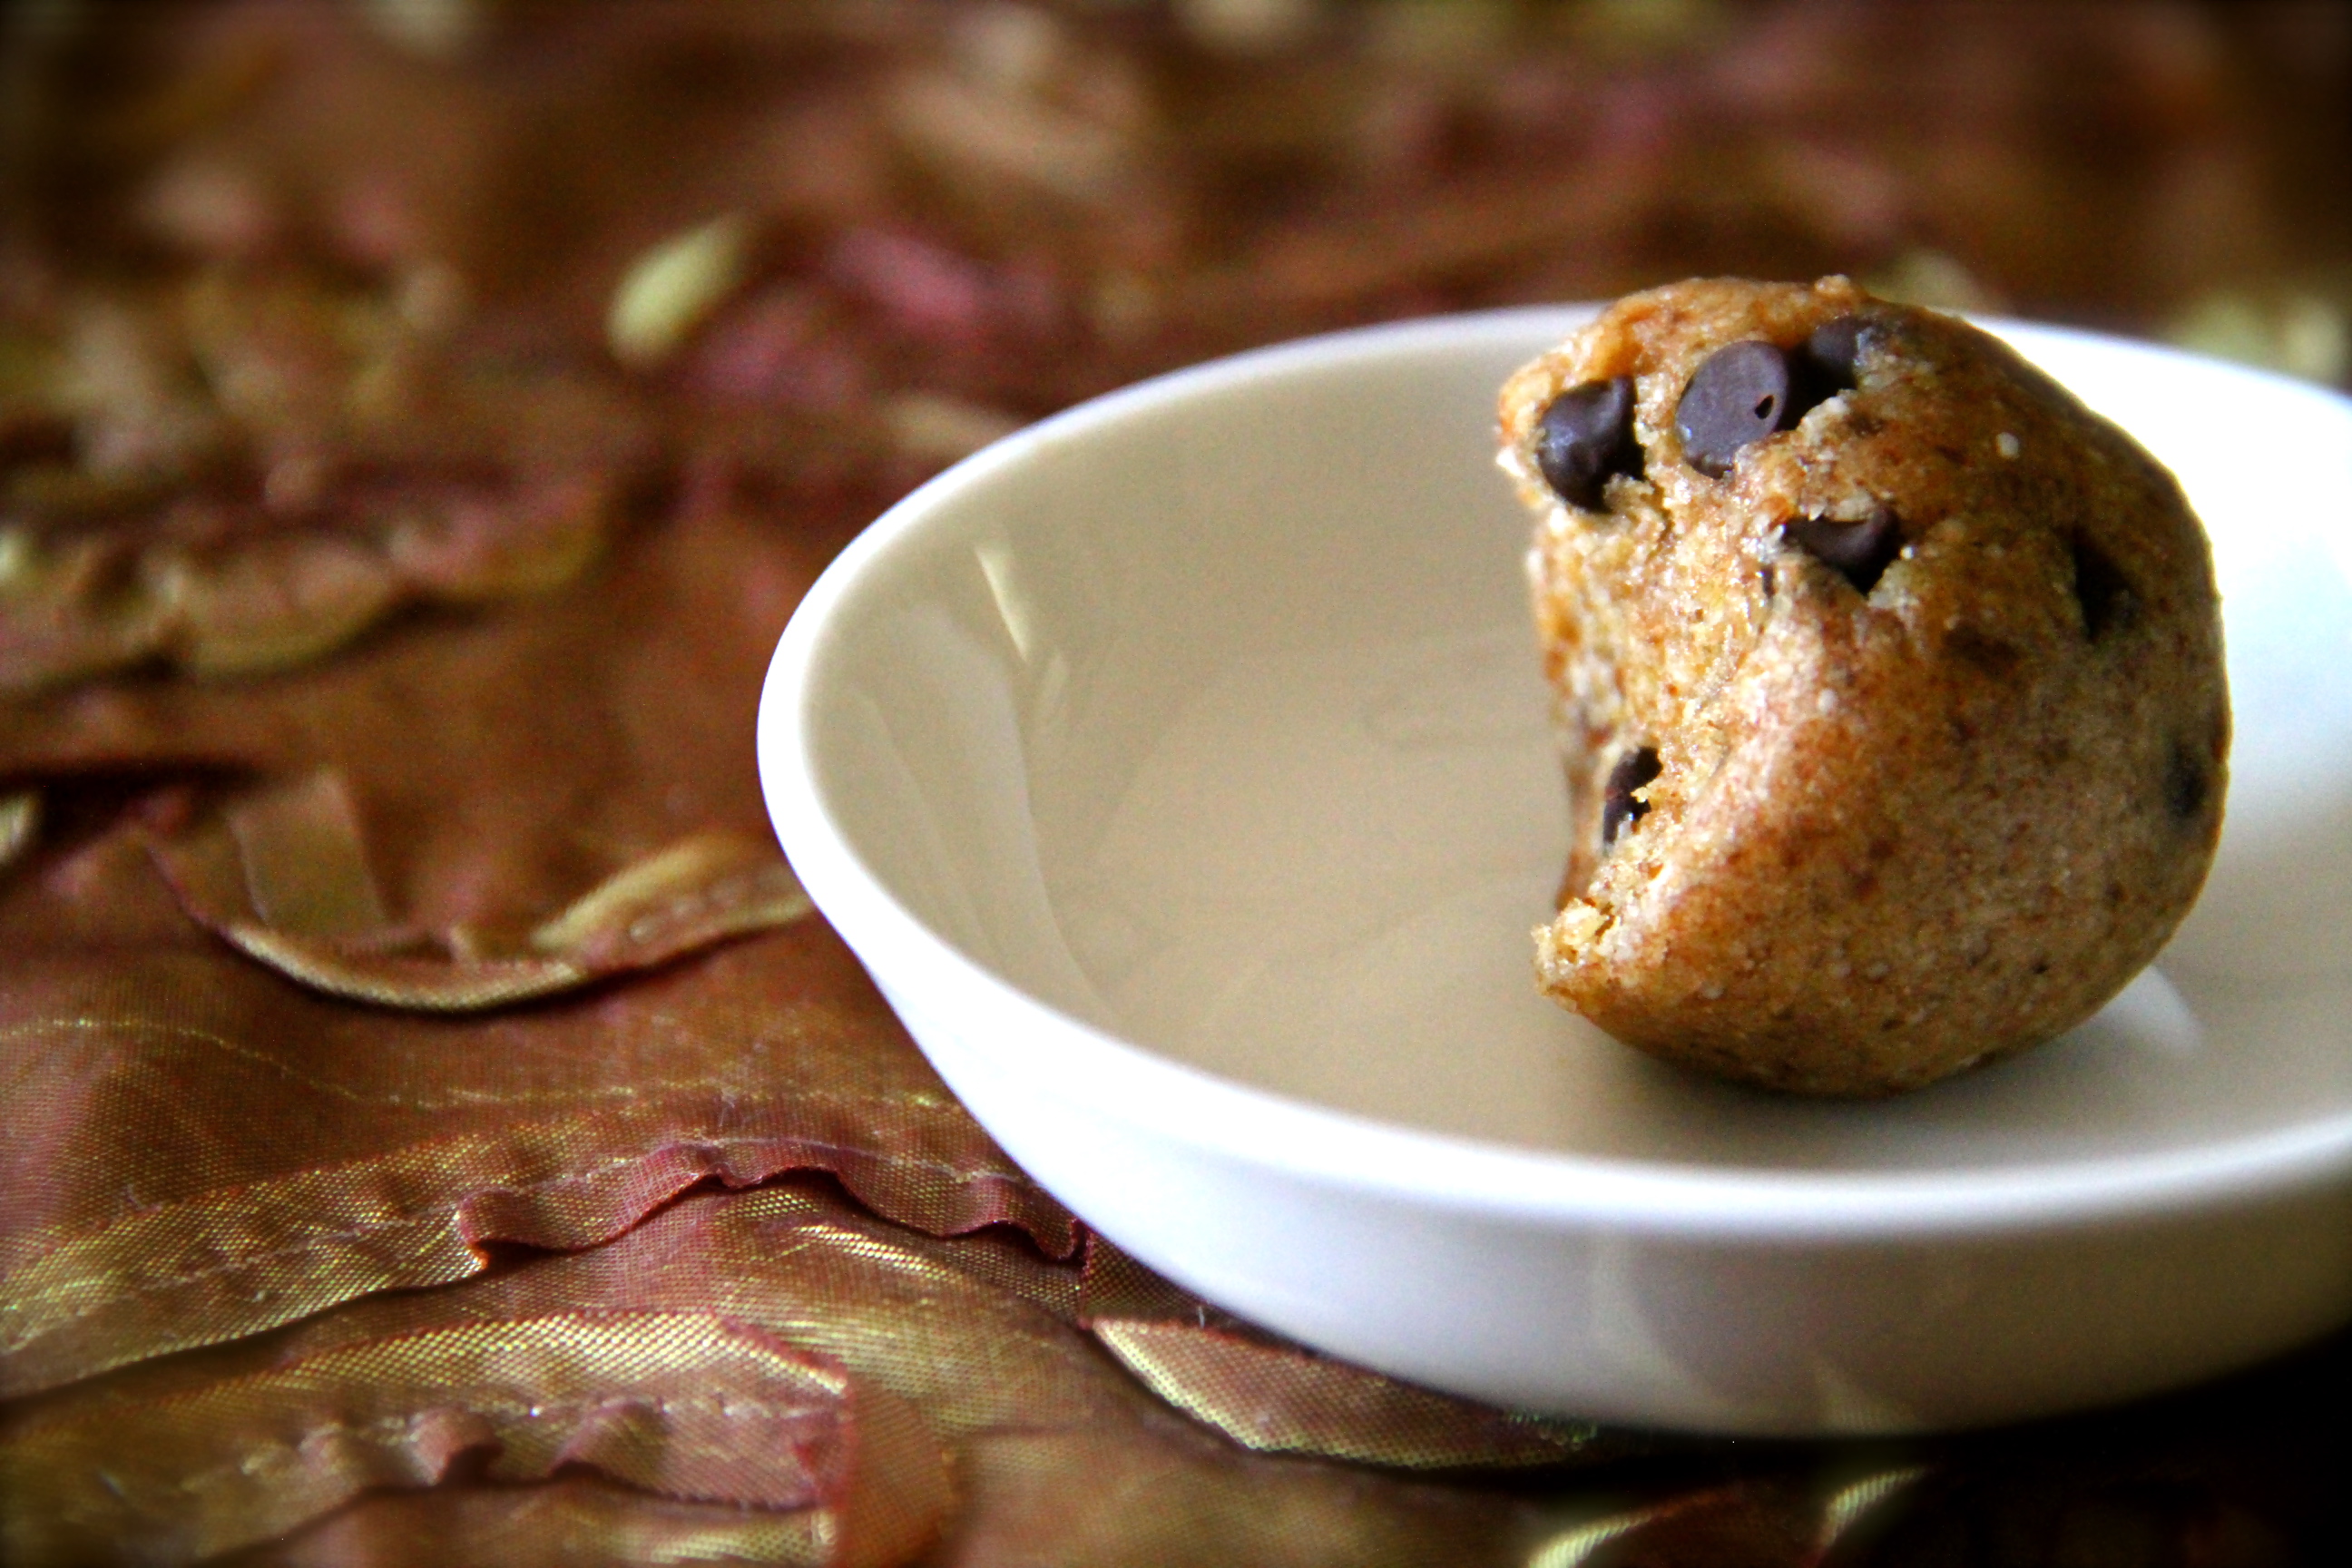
(682, 1405)
(281, 874)
(1271, 1395)
(404, 1148)
(1012, 1434)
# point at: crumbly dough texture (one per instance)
(1894, 833)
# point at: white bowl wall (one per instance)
(1180, 770)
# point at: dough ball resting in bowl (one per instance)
(1889, 679)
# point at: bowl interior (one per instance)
(1210, 714)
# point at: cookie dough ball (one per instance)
(1889, 678)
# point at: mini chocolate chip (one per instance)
(2184, 784)
(1745, 391)
(1860, 551)
(1583, 436)
(1738, 394)
(2101, 590)
(1770, 579)
(1619, 810)
(1833, 353)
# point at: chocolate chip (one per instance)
(1860, 551)
(1743, 393)
(1619, 810)
(2101, 590)
(1833, 355)
(1738, 395)
(2186, 784)
(1585, 435)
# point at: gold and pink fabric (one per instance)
(434, 1124)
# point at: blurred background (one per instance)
(900, 226)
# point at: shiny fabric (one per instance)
(394, 1150)
(1278, 1397)
(282, 875)
(417, 483)
(434, 1126)
(742, 1307)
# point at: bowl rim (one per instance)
(1088, 1067)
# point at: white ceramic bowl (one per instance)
(1179, 768)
